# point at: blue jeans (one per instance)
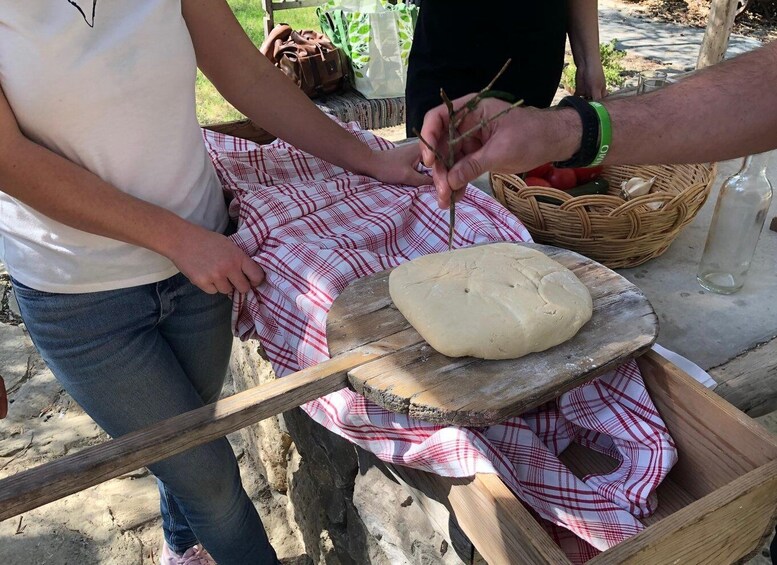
(134, 356)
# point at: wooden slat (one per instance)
(494, 520)
(244, 129)
(52, 481)
(717, 443)
(721, 528)
(749, 382)
(290, 4)
(269, 21)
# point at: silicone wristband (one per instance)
(589, 142)
(605, 133)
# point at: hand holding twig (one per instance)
(455, 119)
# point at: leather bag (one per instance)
(308, 58)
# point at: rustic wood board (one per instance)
(418, 381)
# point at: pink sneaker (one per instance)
(195, 555)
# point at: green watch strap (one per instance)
(605, 133)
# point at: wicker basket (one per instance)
(604, 227)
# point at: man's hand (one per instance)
(397, 166)
(214, 263)
(517, 141)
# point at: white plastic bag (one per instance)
(376, 36)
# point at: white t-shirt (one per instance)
(117, 99)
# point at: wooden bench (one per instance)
(272, 6)
(349, 106)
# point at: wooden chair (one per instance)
(347, 106)
(271, 6)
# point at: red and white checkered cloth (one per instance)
(314, 228)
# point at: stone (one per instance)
(403, 530)
(343, 504)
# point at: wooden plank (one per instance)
(502, 530)
(721, 528)
(52, 481)
(244, 129)
(717, 33)
(717, 443)
(269, 21)
(465, 391)
(290, 4)
(749, 381)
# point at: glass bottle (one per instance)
(740, 213)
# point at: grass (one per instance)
(211, 106)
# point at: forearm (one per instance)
(261, 92)
(71, 195)
(583, 31)
(725, 111)
(275, 103)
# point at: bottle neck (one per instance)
(755, 164)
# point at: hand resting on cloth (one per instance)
(314, 228)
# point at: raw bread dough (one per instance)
(496, 301)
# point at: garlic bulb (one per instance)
(636, 186)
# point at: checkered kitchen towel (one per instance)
(314, 228)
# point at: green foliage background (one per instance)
(613, 70)
(211, 106)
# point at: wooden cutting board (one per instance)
(416, 380)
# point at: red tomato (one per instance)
(541, 171)
(536, 181)
(563, 179)
(587, 174)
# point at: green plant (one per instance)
(613, 70)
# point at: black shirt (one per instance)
(460, 46)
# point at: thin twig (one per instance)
(452, 133)
(452, 130)
(472, 103)
(432, 149)
(455, 119)
(496, 78)
(483, 123)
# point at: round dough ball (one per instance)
(496, 301)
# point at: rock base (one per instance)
(345, 505)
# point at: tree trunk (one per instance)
(715, 43)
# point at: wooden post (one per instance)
(719, 24)
(268, 17)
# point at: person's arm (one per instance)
(265, 95)
(71, 195)
(725, 111)
(583, 31)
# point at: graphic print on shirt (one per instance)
(94, 8)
